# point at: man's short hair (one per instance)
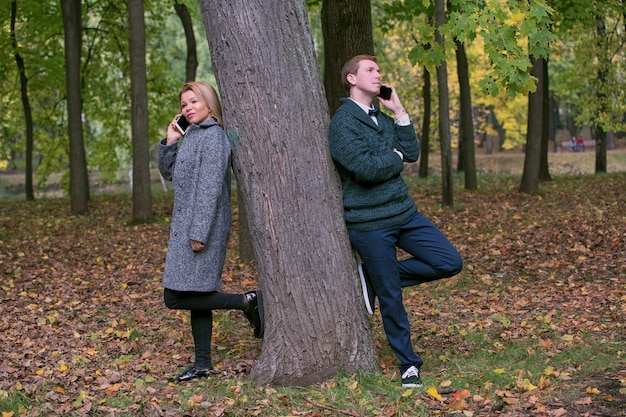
(352, 66)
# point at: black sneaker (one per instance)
(411, 378)
(368, 291)
(191, 373)
(254, 314)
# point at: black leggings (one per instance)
(201, 306)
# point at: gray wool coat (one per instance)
(199, 167)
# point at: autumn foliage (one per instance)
(84, 330)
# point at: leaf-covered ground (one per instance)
(533, 326)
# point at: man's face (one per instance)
(367, 77)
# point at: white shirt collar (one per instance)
(365, 107)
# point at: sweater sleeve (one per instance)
(356, 148)
(407, 142)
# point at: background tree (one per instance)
(530, 176)
(347, 31)
(467, 159)
(79, 176)
(28, 117)
(142, 193)
(447, 186)
(191, 65)
(546, 122)
(277, 118)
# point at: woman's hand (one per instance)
(196, 246)
(173, 134)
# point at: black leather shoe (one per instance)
(254, 314)
(191, 373)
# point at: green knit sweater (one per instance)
(374, 194)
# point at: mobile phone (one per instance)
(385, 92)
(182, 124)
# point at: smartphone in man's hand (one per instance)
(385, 92)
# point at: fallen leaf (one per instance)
(432, 391)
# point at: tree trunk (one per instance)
(467, 122)
(447, 185)
(79, 176)
(276, 114)
(142, 192)
(425, 139)
(603, 64)
(532, 157)
(347, 26)
(544, 167)
(28, 116)
(246, 251)
(191, 65)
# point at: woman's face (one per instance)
(194, 109)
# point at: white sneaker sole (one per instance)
(366, 297)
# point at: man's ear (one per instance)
(350, 79)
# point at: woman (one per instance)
(199, 168)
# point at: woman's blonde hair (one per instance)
(206, 93)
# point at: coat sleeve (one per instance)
(167, 158)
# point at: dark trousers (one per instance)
(433, 257)
(201, 306)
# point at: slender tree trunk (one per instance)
(315, 316)
(544, 167)
(79, 176)
(142, 192)
(191, 65)
(601, 163)
(425, 139)
(467, 123)
(347, 26)
(532, 157)
(447, 185)
(28, 116)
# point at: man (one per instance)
(369, 149)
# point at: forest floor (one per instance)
(533, 326)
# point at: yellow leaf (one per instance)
(60, 390)
(432, 391)
(407, 392)
(526, 385)
(7, 414)
(591, 390)
(498, 371)
(445, 383)
(62, 367)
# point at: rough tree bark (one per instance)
(276, 115)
